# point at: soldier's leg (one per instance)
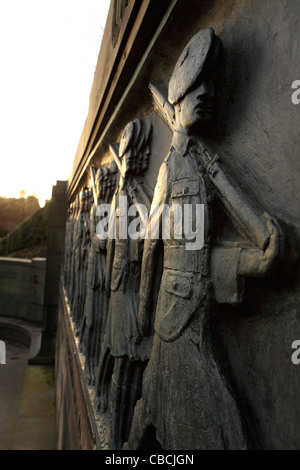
(96, 338)
(126, 390)
(133, 392)
(88, 358)
(82, 336)
(103, 380)
(140, 425)
(118, 400)
(93, 361)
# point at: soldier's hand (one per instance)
(270, 257)
(98, 244)
(143, 321)
(102, 245)
(95, 243)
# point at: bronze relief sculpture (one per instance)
(124, 352)
(185, 400)
(96, 302)
(146, 332)
(70, 268)
(82, 241)
(77, 254)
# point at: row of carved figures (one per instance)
(101, 280)
(142, 307)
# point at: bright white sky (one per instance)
(48, 55)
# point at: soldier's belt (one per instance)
(178, 258)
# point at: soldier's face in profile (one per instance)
(127, 161)
(196, 110)
(99, 190)
(146, 157)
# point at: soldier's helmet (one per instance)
(200, 57)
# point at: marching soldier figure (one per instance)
(185, 399)
(124, 353)
(96, 302)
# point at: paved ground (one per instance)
(27, 403)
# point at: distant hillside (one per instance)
(14, 211)
(30, 237)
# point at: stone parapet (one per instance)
(22, 288)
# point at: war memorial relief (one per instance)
(179, 291)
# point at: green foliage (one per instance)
(32, 231)
(3, 232)
(14, 211)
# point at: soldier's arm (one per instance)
(110, 247)
(229, 266)
(261, 263)
(108, 263)
(150, 252)
(97, 243)
(246, 217)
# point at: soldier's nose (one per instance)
(206, 89)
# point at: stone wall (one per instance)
(28, 321)
(55, 249)
(22, 284)
(29, 288)
(256, 135)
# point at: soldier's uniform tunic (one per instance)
(184, 396)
